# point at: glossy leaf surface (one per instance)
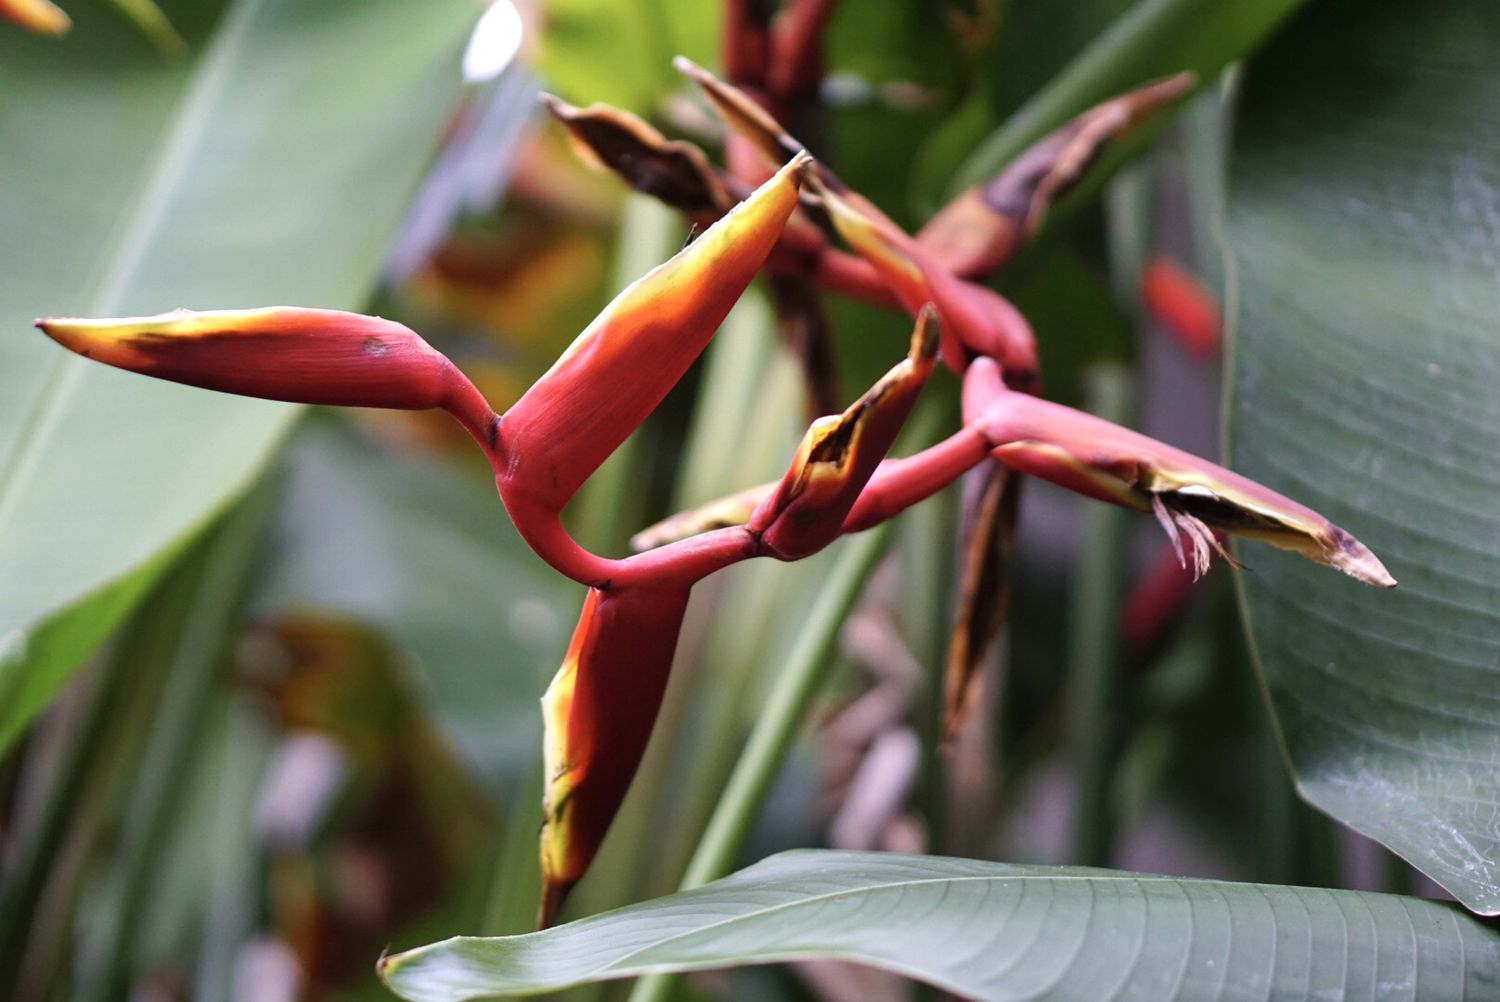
(998, 931)
(1364, 210)
(268, 166)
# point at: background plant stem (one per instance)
(1093, 718)
(772, 735)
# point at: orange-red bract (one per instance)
(624, 363)
(308, 356)
(599, 712)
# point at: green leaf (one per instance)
(606, 50)
(1153, 39)
(427, 555)
(268, 167)
(1364, 210)
(997, 931)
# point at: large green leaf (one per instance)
(1366, 223)
(268, 167)
(428, 555)
(998, 931)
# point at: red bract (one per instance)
(599, 711)
(289, 353)
(806, 510)
(621, 367)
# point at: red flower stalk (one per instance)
(599, 712)
(39, 16)
(747, 39)
(286, 353)
(796, 64)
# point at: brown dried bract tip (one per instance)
(983, 228)
(984, 592)
(675, 172)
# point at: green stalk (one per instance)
(804, 675)
(515, 883)
(1093, 661)
(73, 785)
(805, 672)
(771, 738)
(199, 639)
(245, 743)
(927, 575)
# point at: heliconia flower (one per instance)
(307, 356)
(981, 230)
(39, 16)
(839, 454)
(677, 173)
(598, 713)
(623, 364)
(1191, 497)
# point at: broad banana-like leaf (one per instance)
(998, 931)
(268, 165)
(1365, 218)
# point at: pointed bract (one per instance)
(1191, 497)
(300, 355)
(599, 712)
(839, 454)
(977, 320)
(624, 363)
(984, 590)
(983, 228)
(746, 118)
(674, 172)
